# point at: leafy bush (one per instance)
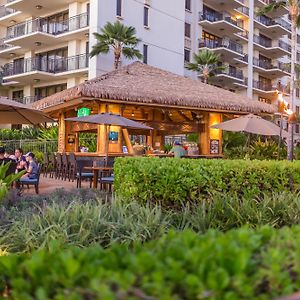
(7, 180)
(240, 264)
(84, 217)
(180, 180)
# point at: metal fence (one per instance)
(30, 145)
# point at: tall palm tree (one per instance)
(206, 64)
(118, 37)
(293, 7)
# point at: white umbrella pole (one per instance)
(107, 143)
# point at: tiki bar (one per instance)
(170, 104)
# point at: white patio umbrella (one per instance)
(251, 124)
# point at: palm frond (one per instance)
(274, 5)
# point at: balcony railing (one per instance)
(263, 86)
(4, 46)
(270, 66)
(4, 11)
(270, 22)
(27, 99)
(268, 43)
(43, 25)
(52, 66)
(221, 43)
(244, 10)
(215, 17)
(232, 72)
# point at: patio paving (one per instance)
(49, 185)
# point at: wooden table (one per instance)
(96, 172)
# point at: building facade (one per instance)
(45, 44)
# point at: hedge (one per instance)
(240, 264)
(179, 180)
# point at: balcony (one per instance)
(269, 48)
(216, 23)
(270, 70)
(34, 33)
(273, 28)
(221, 5)
(42, 70)
(37, 7)
(228, 78)
(243, 10)
(224, 47)
(263, 88)
(8, 51)
(241, 61)
(274, 14)
(27, 99)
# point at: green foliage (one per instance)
(240, 264)
(118, 37)
(174, 181)
(192, 137)
(168, 147)
(83, 217)
(6, 181)
(48, 134)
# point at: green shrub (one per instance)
(240, 264)
(180, 180)
(83, 218)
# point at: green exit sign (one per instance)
(83, 112)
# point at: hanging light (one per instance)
(132, 114)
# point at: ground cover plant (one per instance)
(174, 181)
(85, 217)
(238, 264)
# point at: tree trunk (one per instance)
(294, 15)
(117, 57)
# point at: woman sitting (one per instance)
(31, 168)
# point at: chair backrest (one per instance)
(80, 164)
(39, 172)
(72, 157)
(100, 162)
(110, 162)
(64, 159)
(58, 159)
(46, 158)
(53, 159)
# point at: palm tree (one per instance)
(293, 7)
(118, 37)
(206, 64)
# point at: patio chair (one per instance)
(46, 165)
(106, 183)
(53, 165)
(65, 166)
(82, 174)
(72, 167)
(34, 181)
(59, 167)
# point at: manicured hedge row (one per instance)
(240, 264)
(176, 180)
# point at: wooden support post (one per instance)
(61, 133)
(203, 135)
(127, 141)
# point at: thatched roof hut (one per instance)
(141, 84)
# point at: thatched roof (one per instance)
(138, 83)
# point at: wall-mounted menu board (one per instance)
(214, 147)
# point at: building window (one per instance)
(187, 55)
(145, 54)
(18, 95)
(297, 128)
(297, 110)
(187, 30)
(265, 100)
(46, 91)
(146, 16)
(119, 8)
(188, 5)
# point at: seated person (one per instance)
(177, 150)
(3, 156)
(20, 160)
(31, 168)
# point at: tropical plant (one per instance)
(48, 134)
(206, 64)
(122, 39)
(7, 180)
(293, 7)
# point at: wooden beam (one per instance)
(184, 116)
